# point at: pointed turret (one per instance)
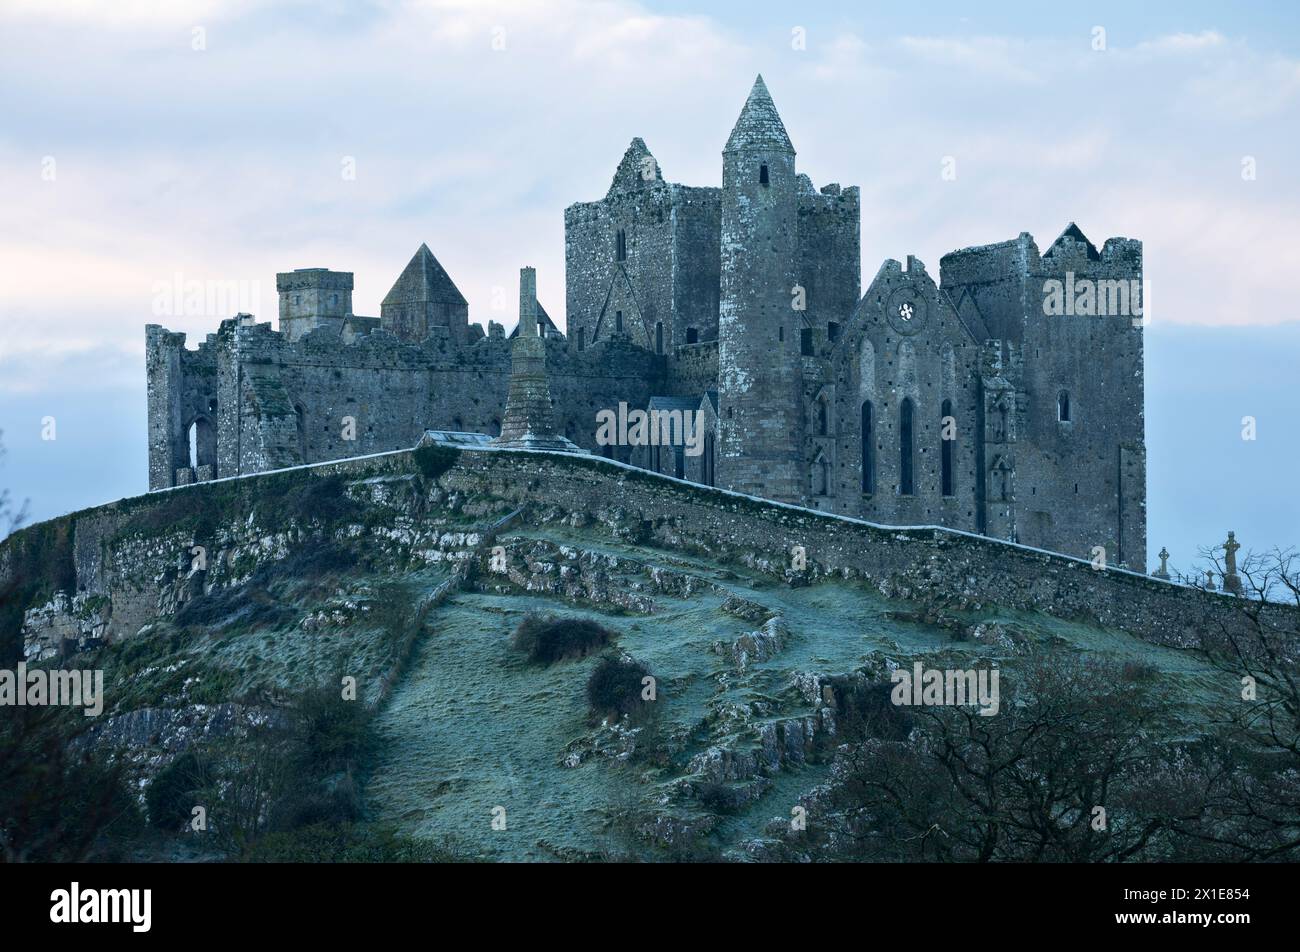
(422, 299)
(761, 430)
(759, 125)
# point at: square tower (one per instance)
(312, 298)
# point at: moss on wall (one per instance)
(39, 562)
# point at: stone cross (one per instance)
(1209, 581)
(1163, 571)
(529, 423)
(1231, 580)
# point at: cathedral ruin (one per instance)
(1004, 398)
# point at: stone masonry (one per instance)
(1005, 398)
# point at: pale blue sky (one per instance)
(223, 164)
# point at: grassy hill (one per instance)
(340, 681)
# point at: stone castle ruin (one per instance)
(1005, 398)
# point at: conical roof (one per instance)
(759, 125)
(424, 279)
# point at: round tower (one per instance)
(760, 391)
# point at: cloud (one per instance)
(1220, 77)
(126, 14)
(994, 57)
(224, 164)
(1182, 43)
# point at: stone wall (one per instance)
(269, 402)
(749, 291)
(928, 563)
(1081, 482)
(643, 261)
(141, 571)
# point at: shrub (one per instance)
(433, 461)
(40, 563)
(867, 710)
(351, 843)
(717, 797)
(327, 500)
(331, 734)
(615, 687)
(546, 639)
(172, 795)
(1139, 671)
(329, 803)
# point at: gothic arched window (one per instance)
(762, 174)
(868, 451)
(620, 245)
(659, 337)
(823, 416)
(906, 463)
(1063, 406)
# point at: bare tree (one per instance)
(1074, 768)
(11, 517)
(1256, 647)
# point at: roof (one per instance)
(544, 319)
(759, 125)
(1074, 232)
(453, 438)
(424, 279)
(675, 403)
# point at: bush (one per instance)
(1139, 671)
(40, 564)
(331, 734)
(173, 794)
(615, 687)
(433, 461)
(325, 803)
(546, 639)
(718, 797)
(224, 607)
(350, 843)
(867, 709)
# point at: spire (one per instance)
(529, 423)
(759, 125)
(422, 280)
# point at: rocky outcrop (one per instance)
(65, 625)
(767, 642)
